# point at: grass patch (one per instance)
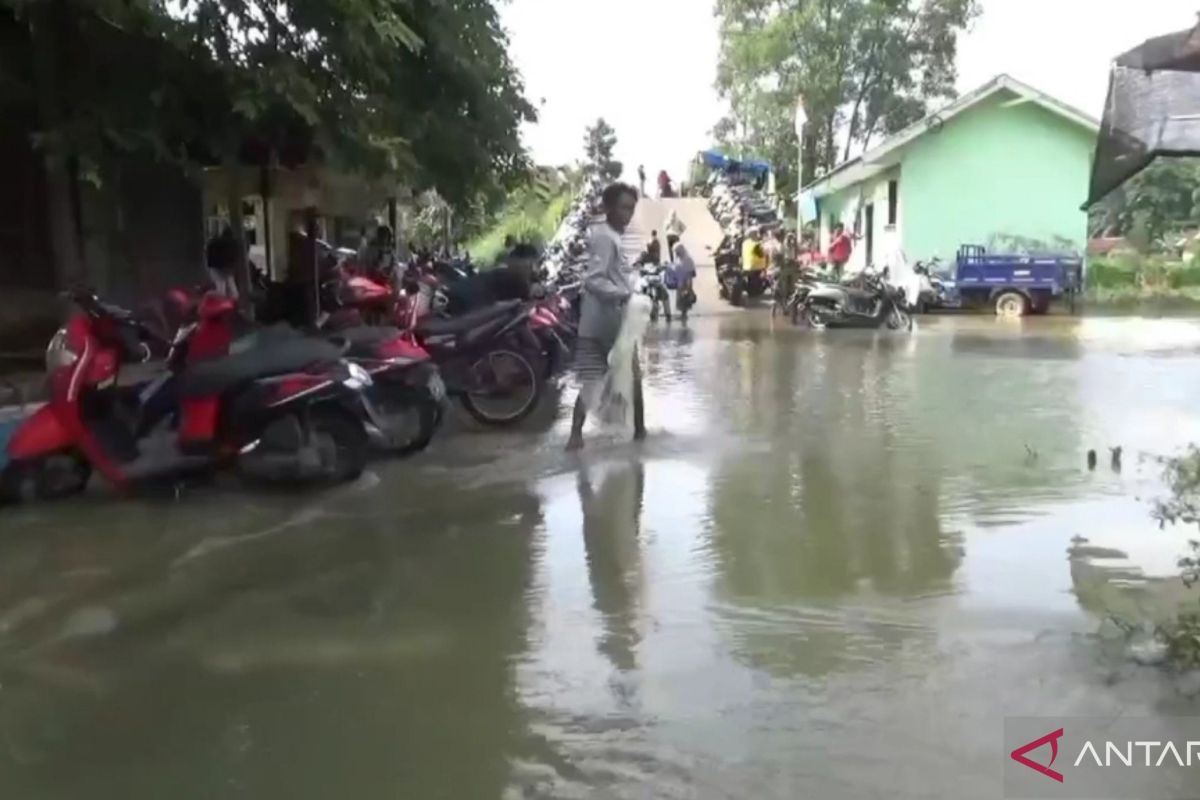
(1135, 299)
(529, 218)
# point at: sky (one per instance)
(657, 92)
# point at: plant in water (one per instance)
(1181, 635)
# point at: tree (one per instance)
(1163, 198)
(422, 89)
(598, 143)
(863, 67)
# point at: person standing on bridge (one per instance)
(684, 269)
(606, 292)
(674, 226)
(654, 250)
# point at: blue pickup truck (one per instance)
(1012, 285)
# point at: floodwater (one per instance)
(838, 563)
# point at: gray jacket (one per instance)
(606, 286)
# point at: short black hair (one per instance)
(654, 233)
(524, 250)
(612, 193)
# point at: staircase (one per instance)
(702, 232)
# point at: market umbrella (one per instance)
(1153, 109)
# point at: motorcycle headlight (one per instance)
(59, 353)
(359, 377)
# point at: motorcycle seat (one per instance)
(276, 357)
(438, 326)
(854, 293)
(363, 339)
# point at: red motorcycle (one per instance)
(287, 409)
(485, 356)
(405, 398)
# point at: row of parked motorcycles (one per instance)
(739, 207)
(279, 402)
(817, 300)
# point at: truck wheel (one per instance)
(1011, 304)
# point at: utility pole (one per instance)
(801, 119)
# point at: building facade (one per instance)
(1005, 167)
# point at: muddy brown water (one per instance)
(838, 563)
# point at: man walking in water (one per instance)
(606, 292)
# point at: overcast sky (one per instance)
(657, 87)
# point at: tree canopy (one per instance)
(1163, 199)
(423, 89)
(599, 140)
(863, 67)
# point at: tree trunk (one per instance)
(233, 198)
(63, 207)
(808, 163)
(830, 147)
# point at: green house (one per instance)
(1005, 166)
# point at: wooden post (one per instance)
(63, 202)
(233, 198)
(310, 229)
(264, 191)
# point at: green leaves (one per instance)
(422, 90)
(1161, 200)
(864, 68)
(598, 143)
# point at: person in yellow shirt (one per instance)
(754, 257)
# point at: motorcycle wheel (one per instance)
(735, 295)
(812, 319)
(899, 319)
(343, 442)
(337, 437)
(502, 374)
(54, 477)
(413, 421)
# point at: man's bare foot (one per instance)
(574, 443)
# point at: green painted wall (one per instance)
(996, 172)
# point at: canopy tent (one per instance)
(716, 160)
(1153, 109)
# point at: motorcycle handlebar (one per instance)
(131, 333)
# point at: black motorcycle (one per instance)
(869, 302)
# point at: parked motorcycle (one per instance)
(654, 287)
(935, 292)
(284, 409)
(874, 303)
(406, 396)
(487, 357)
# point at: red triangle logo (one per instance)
(1018, 755)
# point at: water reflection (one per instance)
(877, 443)
(611, 536)
(341, 657)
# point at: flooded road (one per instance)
(838, 563)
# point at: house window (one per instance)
(893, 201)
